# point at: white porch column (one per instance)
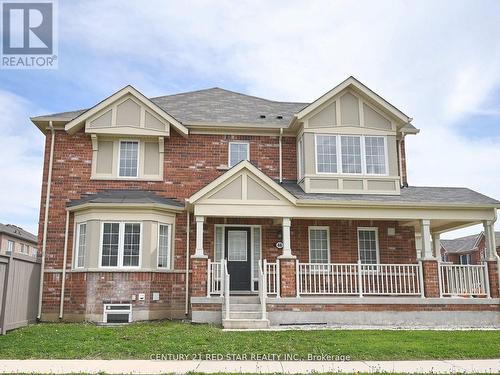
(436, 243)
(425, 230)
(199, 237)
(489, 235)
(287, 247)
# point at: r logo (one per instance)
(27, 28)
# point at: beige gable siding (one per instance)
(325, 118)
(102, 121)
(349, 109)
(374, 119)
(105, 158)
(128, 113)
(233, 190)
(151, 122)
(257, 192)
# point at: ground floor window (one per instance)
(120, 244)
(368, 245)
(465, 259)
(319, 245)
(164, 235)
(81, 243)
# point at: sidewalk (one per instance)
(182, 367)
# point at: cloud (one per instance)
(437, 63)
(21, 149)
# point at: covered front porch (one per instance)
(320, 261)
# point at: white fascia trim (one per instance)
(75, 124)
(354, 300)
(351, 81)
(159, 206)
(245, 164)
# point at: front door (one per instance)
(238, 255)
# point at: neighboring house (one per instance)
(467, 250)
(14, 238)
(225, 207)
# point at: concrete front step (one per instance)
(244, 299)
(245, 323)
(245, 314)
(245, 306)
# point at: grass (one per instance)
(141, 340)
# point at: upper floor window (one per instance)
(81, 243)
(129, 159)
(351, 154)
(238, 151)
(319, 245)
(10, 246)
(375, 155)
(120, 244)
(300, 156)
(164, 234)
(368, 245)
(326, 154)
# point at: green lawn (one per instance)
(141, 340)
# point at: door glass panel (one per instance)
(237, 246)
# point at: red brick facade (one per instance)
(189, 165)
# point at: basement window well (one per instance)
(117, 313)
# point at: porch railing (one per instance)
(463, 280)
(272, 273)
(263, 287)
(358, 279)
(215, 278)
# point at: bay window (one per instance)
(164, 235)
(80, 244)
(326, 154)
(351, 154)
(120, 244)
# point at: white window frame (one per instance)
(386, 155)
(338, 145)
(169, 241)
(316, 153)
(120, 159)
(468, 257)
(300, 158)
(77, 244)
(327, 228)
(121, 239)
(10, 246)
(377, 245)
(229, 151)
(361, 155)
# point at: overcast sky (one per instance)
(439, 62)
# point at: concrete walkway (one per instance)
(181, 367)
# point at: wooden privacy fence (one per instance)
(19, 286)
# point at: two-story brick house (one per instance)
(229, 208)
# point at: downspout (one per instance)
(281, 156)
(187, 262)
(63, 282)
(400, 151)
(46, 219)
